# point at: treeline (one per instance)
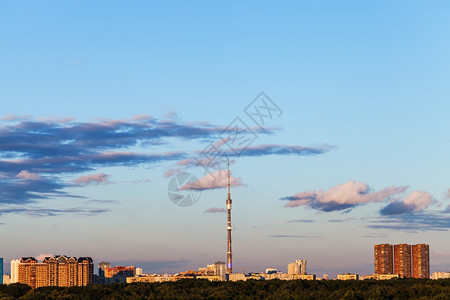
(253, 289)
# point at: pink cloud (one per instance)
(214, 180)
(342, 196)
(419, 200)
(41, 257)
(28, 175)
(416, 201)
(448, 195)
(172, 172)
(94, 178)
(215, 210)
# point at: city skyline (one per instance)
(344, 109)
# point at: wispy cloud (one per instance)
(214, 180)
(301, 221)
(48, 212)
(20, 191)
(413, 222)
(27, 175)
(447, 196)
(215, 210)
(36, 154)
(172, 172)
(341, 220)
(254, 151)
(342, 196)
(92, 179)
(294, 236)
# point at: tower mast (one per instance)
(229, 260)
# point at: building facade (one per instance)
(1, 270)
(220, 269)
(348, 276)
(402, 260)
(420, 261)
(297, 267)
(57, 270)
(383, 259)
(15, 270)
(441, 275)
(101, 268)
(6, 279)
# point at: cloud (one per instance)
(413, 222)
(214, 180)
(94, 178)
(41, 257)
(49, 149)
(447, 209)
(414, 202)
(172, 172)
(341, 197)
(27, 175)
(448, 195)
(301, 221)
(217, 154)
(50, 212)
(215, 210)
(103, 201)
(294, 236)
(20, 191)
(341, 220)
(272, 149)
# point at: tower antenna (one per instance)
(229, 259)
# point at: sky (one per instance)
(334, 115)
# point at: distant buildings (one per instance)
(441, 275)
(380, 276)
(6, 279)
(297, 267)
(59, 270)
(101, 268)
(1, 270)
(220, 269)
(117, 274)
(271, 271)
(126, 271)
(15, 270)
(348, 276)
(403, 259)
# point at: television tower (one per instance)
(229, 263)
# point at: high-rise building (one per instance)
(297, 267)
(383, 259)
(139, 272)
(420, 261)
(1, 270)
(220, 269)
(402, 260)
(57, 270)
(15, 270)
(101, 268)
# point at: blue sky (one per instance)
(100, 100)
